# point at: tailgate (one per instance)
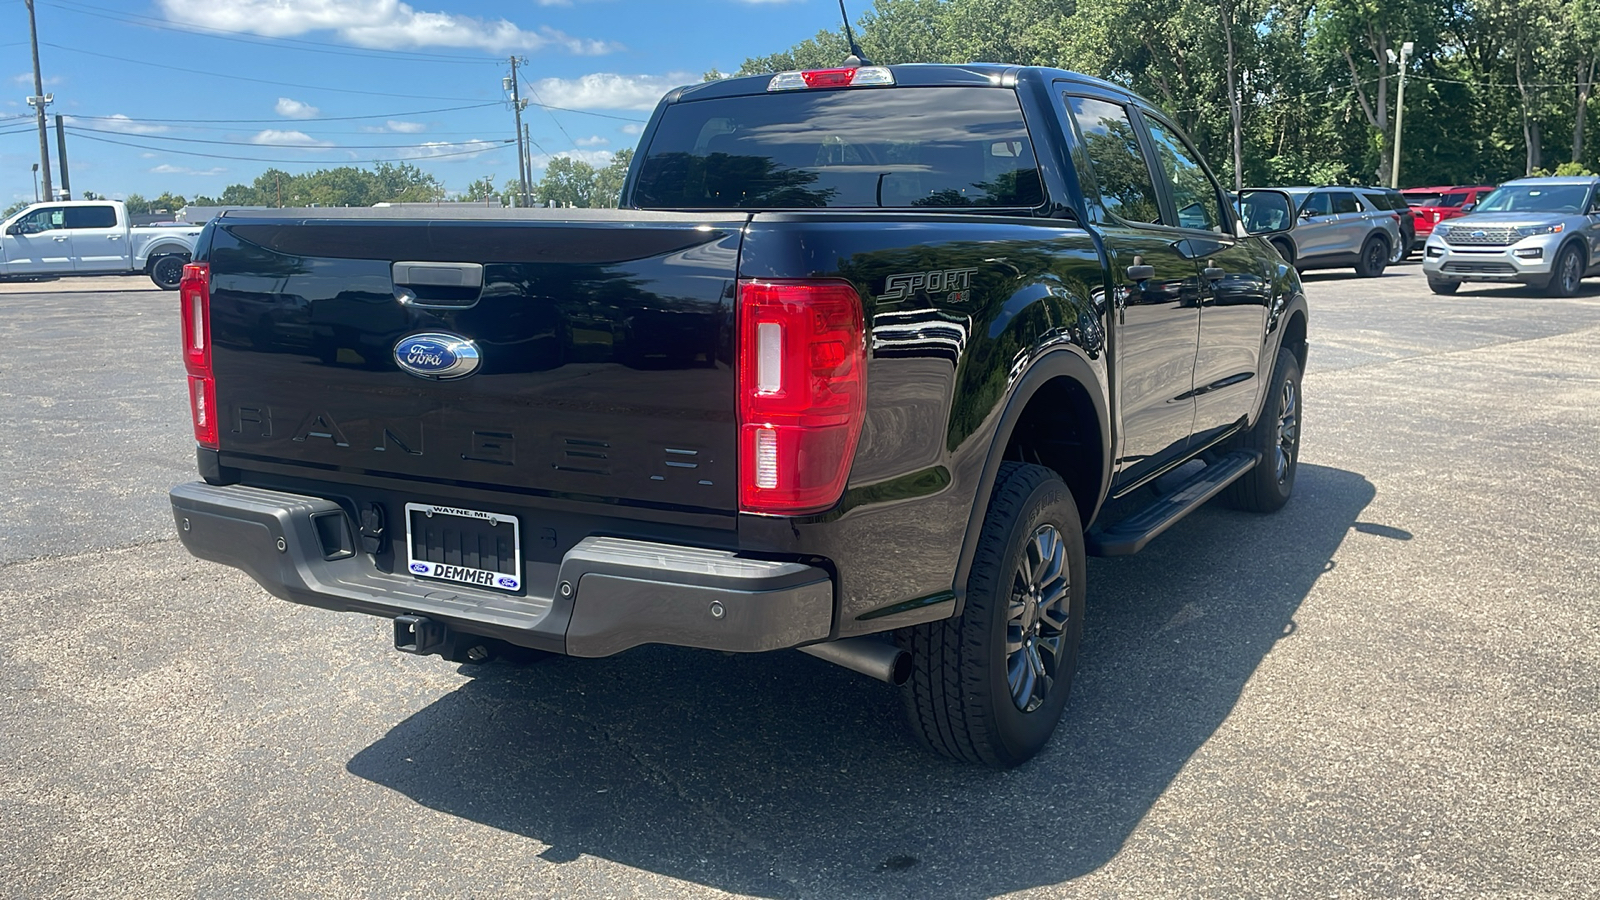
(605, 345)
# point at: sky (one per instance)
(190, 96)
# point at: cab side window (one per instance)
(1317, 204)
(46, 219)
(91, 217)
(1194, 194)
(1123, 174)
(1345, 202)
(1453, 200)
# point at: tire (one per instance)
(1443, 287)
(1374, 257)
(962, 698)
(167, 271)
(1567, 273)
(1285, 250)
(1276, 436)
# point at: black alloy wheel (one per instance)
(989, 685)
(167, 271)
(1374, 257)
(1567, 274)
(1276, 436)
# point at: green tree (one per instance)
(136, 205)
(15, 208)
(608, 181)
(566, 182)
(481, 189)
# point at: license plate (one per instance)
(464, 546)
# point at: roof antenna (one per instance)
(856, 59)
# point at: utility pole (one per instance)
(61, 154)
(38, 101)
(527, 160)
(517, 106)
(1399, 114)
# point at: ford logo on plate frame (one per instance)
(437, 357)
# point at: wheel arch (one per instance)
(1056, 416)
(167, 249)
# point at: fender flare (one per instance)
(170, 248)
(1061, 363)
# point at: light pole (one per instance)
(39, 100)
(1399, 114)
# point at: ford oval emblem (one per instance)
(437, 357)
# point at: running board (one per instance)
(1130, 535)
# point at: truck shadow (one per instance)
(781, 776)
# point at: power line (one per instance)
(305, 87)
(494, 145)
(280, 119)
(140, 21)
(161, 137)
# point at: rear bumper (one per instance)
(607, 595)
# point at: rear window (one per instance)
(1453, 200)
(91, 217)
(925, 148)
(1423, 199)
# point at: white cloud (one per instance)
(26, 78)
(165, 169)
(605, 90)
(276, 138)
(632, 128)
(595, 141)
(117, 122)
(404, 127)
(452, 150)
(597, 158)
(294, 109)
(382, 24)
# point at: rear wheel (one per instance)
(1276, 436)
(1567, 274)
(167, 271)
(1443, 287)
(989, 686)
(1374, 257)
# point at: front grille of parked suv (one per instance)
(1479, 235)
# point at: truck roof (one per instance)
(909, 75)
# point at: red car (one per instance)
(1432, 205)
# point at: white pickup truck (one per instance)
(93, 237)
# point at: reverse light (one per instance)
(194, 294)
(865, 76)
(802, 393)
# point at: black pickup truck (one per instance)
(857, 369)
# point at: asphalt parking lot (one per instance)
(1389, 689)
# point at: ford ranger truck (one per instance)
(867, 363)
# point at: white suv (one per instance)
(1337, 227)
(1539, 231)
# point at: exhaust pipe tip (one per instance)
(873, 658)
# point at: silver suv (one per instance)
(1539, 231)
(1339, 226)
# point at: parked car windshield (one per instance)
(933, 148)
(1535, 198)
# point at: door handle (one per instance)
(59, 240)
(1214, 274)
(1141, 273)
(113, 237)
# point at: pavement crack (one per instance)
(98, 551)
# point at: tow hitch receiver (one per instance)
(419, 634)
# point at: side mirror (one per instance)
(1265, 211)
(14, 228)
(1467, 207)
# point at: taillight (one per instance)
(194, 293)
(802, 393)
(865, 76)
